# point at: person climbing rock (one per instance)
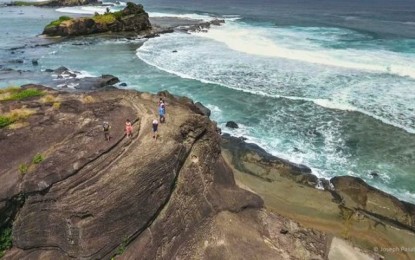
(106, 127)
(128, 128)
(155, 129)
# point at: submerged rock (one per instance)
(232, 124)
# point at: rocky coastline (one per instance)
(178, 194)
(185, 196)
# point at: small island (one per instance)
(132, 18)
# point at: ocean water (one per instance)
(328, 84)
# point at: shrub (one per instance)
(117, 14)
(23, 168)
(48, 99)
(104, 18)
(5, 121)
(59, 21)
(87, 99)
(38, 158)
(56, 105)
(5, 240)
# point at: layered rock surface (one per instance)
(347, 207)
(132, 198)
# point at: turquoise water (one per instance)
(337, 98)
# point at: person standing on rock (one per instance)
(162, 113)
(106, 126)
(128, 128)
(161, 101)
(155, 129)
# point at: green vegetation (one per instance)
(104, 18)
(59, 21)
(23, 3)
(5, 121)
(26, 93)
(14, 115)
(23, 169)
(38, 158)
(5, 240)
(121, 248)
(14, 93)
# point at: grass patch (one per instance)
(5, 93)
(38, 158)
(23, 168)
(56, 105)
(59, 21)
(87, 99)
(20, 94)
(5, 240)
(104, 18)
(14, 116)
(5, 121)
(48, 99)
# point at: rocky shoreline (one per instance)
(77, 163)
(346, 207)
(284, 215)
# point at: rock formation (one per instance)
(347, 207)
(68, 193)
(54, 3)
(132, 19)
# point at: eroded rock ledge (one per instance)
(132, 198)
(347, 207)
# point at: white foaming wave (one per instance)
(86, 9)
(183, 16)
(344, 106)
(320, 102)
(118, 3)
(236, 37)
(84, 74)
(194, 16)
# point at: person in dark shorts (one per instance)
(155, 128)
(106, 126)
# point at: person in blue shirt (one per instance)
(162, 113)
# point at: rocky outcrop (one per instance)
(205, 111)
(232, 124)
(132, 19)
(133, 198)
(347, 207)
(252, 159)
(54, 3)
(357, 194)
